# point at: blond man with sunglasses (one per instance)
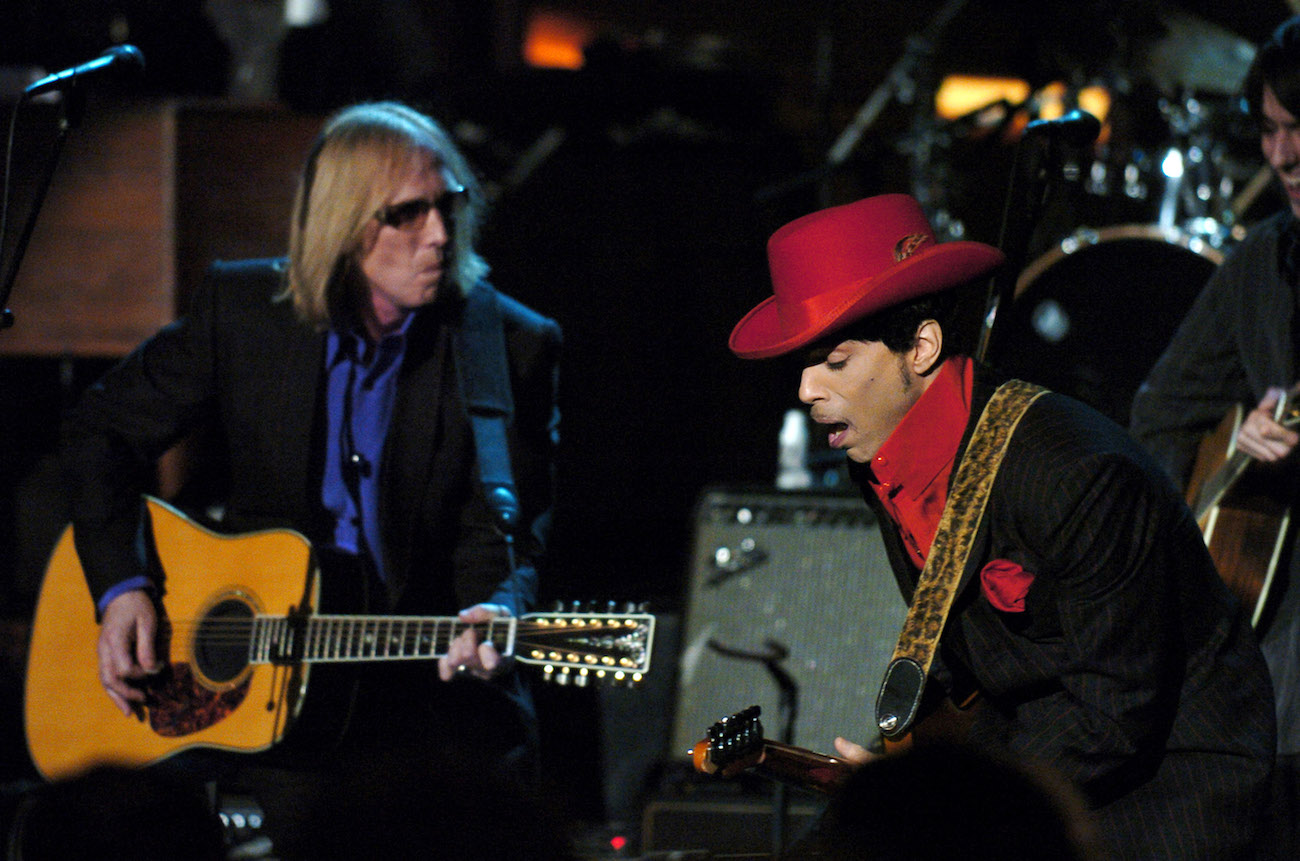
(335, 382)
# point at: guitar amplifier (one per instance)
(798, 579)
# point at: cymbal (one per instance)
(1196, 55)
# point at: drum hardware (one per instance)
(1092, 314)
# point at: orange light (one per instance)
(1051, 101)
(960, 95)
(555, 41)
(1096, 101)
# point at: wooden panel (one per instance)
(98, 274)
(145, 197)
(237, 170)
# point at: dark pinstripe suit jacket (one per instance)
(1131, 670)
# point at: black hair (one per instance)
(1277, 64)
(896, 326)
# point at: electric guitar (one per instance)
(736, 743)
(240, 632)
(1243, 518)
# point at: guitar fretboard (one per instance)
(367, 638)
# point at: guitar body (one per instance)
(240, 629)
(1242, 518)
(209, 697)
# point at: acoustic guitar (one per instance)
(1243, 517)
(240, 632)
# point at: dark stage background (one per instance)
(632, 200)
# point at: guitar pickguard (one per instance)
(180, 706)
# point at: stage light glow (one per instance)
(959, 95)
(553, 40)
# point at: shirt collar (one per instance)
(926, 440)
(351, 345)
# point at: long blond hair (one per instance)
(358, 158)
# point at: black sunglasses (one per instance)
(411, 214)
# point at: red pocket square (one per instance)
(1005, 584)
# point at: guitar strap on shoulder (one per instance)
(479, 344)
(904, 682)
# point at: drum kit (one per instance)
(1135, 222)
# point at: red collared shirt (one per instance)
(910, 472)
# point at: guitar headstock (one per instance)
(580, 647)
(733, 744)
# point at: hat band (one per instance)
(816, 310)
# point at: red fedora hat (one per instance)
(841, 264)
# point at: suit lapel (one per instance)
(415, 435)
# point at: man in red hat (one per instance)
(1051, 567)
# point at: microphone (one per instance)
(1078, 128)
(119, 59)
(505, 506)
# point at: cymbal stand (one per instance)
(788, 709)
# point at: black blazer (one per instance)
(1131, 671)
(242, 363)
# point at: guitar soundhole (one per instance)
(221, 642)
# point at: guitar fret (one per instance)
(288, 638)
(311, 639)
(366, 640)
(255, 642)
(270, 637)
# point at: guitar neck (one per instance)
(801, 767)
(1220, 482)
(1216, 485)
(340, 639)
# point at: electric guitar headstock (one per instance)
(732, 745)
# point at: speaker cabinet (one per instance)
(799, 578)
(717, 828)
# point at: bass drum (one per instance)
(1092, 315)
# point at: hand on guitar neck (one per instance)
(1244, 514)
(1266, 433)
(736, 743)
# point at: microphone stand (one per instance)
(900, 82)
(787, 710)
(72, 111)
(1038, 160)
